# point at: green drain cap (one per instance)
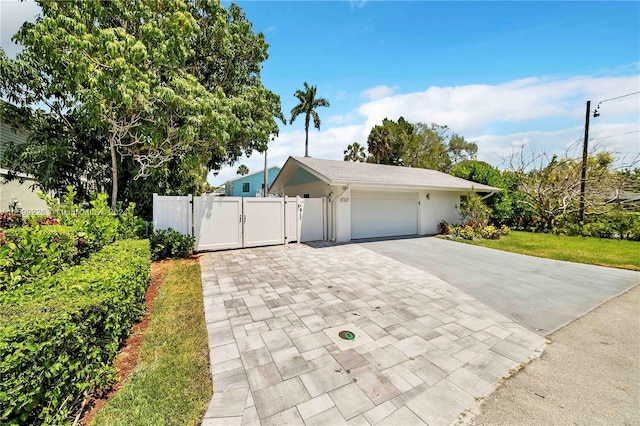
(347, 335)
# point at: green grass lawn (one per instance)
(171, 385)
(604, 252)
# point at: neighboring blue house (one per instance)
(250, 185)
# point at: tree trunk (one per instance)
(114, 173)
(306, 143)
(265, 190)
(306, 140)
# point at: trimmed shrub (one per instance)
(59, 336)
(35, 252)
(168, 243)
(505, 230)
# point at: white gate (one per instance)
(218, 222)
(263, 221)
(221, 223)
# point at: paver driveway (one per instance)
(423, 350)
(542, 294)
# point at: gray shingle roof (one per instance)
(336, 172)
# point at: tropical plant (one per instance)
(355, 152)
(474, 212)
(242, 170)
(307, 105)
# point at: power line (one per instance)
(618, 97)
(596, 113)
(611, 136)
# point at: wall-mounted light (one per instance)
(428, 196)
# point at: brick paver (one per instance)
(423, 351)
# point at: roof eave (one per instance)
(484, 188)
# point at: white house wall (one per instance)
(441, 205)
(23, 193)
(341, 201)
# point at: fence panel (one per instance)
(263, 221)
(313, 220)
(218, 222)
(171, 211)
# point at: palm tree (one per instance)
(355, 152)
(308, 104)
(379, 143)
(242, 170)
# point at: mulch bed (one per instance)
(127, 358)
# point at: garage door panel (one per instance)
(383, 214)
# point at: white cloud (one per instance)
(357, 3)
(378, 92)
(471, 109)
(543, 113)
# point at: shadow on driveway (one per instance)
(541, 294)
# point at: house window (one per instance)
(246, 187)
(463, 200)
(305, 196)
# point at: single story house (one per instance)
(250, 185)
(373, 200)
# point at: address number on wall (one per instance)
(344, 200)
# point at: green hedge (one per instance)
(59, 336)
(35, 252)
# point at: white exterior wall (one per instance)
(441, 205)
(341, 201)
(23, 193)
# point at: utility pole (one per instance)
(585, 152)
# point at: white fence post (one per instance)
(299, 217)
(155, 211)
(190, 214)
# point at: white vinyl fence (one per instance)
(221, 223)
(172, 212)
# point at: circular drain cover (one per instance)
(347, 335)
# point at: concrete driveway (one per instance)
(336, 335)
(541, 294)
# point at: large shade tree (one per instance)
(308, 102)
(168, 85)
(418, 145)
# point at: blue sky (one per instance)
(502, 74)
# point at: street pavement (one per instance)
(589, 375)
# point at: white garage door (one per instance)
(383, 214)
